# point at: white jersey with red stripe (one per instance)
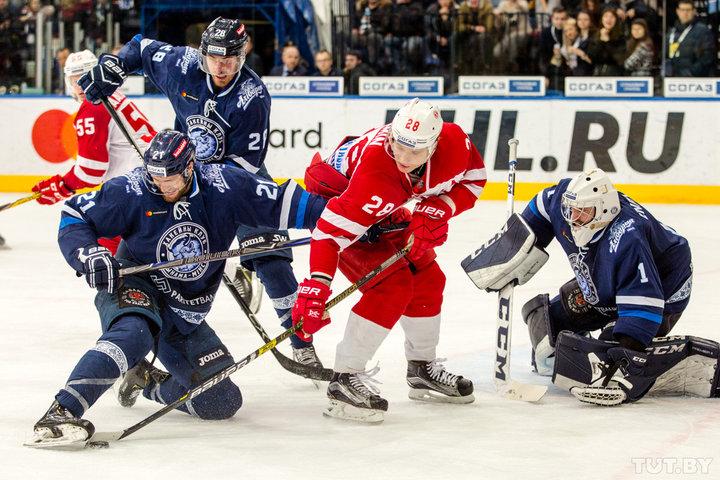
(455, 172)
(103, 151)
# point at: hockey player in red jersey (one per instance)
(370, 178)
(103, 151)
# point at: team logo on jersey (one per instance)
(134, 297)
(207, 136)
(582, 274)
(183, 240)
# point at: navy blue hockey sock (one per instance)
(218, 403)
(277, 276)
(126, 342)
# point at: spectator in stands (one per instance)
(324, 65)
(593, 8)
(607, 46)
(546, 8)
(371, 28)
(407, 41)
(513, 18)
(640, 50)
(291, 66)
(586, 29)
(690, 45)
(58, 76)
(564, 60)
(475, 28)
(252, 59)
(8, 41)
(551, 38)
(440, 20)
(354, 69)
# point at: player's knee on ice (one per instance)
(219, 403)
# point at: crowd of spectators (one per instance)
(555, 38)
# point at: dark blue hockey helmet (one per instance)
(225, 37)
(169, 153)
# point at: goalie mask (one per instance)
(589, 204)
(76, 65)
(416, 126)
(223, 41)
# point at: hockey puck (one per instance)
(98, 444)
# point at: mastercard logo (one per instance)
(54, 137)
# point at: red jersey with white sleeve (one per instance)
(103, 151)
(455, 172)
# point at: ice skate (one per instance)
(249, 287)
(135, 380)
(59, 428)
(308, 356)
(351, 398)
(430, 382)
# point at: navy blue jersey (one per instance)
(221, 199)
(634, 270)
(227, 125)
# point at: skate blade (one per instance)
(344, 411)
(257, 295)
(524, 392)
(73, 438)
(431, 396)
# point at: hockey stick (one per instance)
(113, 113)
(101, 437)
(214, 256)
(504, 385)
(20, 201)
(313, 373)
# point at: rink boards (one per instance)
(657, 150)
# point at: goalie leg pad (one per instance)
(677, 365)
(510, 256)
(536, 314)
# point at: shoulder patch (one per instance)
(617, 231)
(247, 91)
(134, 180)
(214, 175)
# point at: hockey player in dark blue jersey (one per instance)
(173, 207)
(633, 277)
(225, 109)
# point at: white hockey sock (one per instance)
(361, 341)
(422, 335)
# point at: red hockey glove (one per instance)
(52, 190)
(429, 225)
(310, 307)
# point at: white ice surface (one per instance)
(48, 321)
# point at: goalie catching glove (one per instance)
(510, 256)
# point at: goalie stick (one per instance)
(504, 385)
(100, 438)
(313, 373)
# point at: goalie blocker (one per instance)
(674, 365)
(510, 256)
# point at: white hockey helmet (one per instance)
(417, 125)
(589, 204)
(78, 63)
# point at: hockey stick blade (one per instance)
(306, 371)
(524, 392)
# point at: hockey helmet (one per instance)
(170, 153)
(417, 125)
(77, 64)
(224, 37)
(589, 204)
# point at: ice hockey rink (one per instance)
(48, 321)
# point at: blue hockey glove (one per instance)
(102, 270)
(103, 79)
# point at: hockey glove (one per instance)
(310, 307)
(102, 270)
(396, 221)
(429, 224)
(52, 190)
(103, 79)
